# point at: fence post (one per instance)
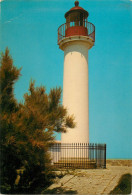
(105, 156)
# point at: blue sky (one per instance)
(29, 29)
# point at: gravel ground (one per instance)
(91, 181)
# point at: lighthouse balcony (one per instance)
(77, 28)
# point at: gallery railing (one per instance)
(78, 155)
(64, 27)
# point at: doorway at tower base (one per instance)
(78, 155)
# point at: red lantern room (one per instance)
(76, 24)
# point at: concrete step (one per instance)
(75, 163)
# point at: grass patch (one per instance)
(124, 185)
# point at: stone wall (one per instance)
(119, 162)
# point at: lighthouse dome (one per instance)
(77, 8)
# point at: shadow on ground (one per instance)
(59, 190)
(124, 185)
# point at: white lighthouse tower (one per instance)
(75, 38)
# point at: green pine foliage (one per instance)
(9, 74)
(27, 131)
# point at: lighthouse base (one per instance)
(75, 163)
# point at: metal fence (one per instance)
(78, 155)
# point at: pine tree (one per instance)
(8, 107)
(27, 131)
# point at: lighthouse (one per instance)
(75, 38)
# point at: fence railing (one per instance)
(78, 155)
(89, 26)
